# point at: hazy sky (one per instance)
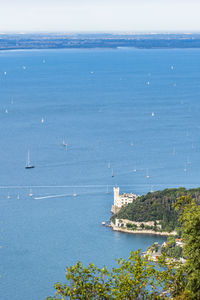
(100, 15)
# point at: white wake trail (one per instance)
(51, 196)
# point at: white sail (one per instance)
(28, 162)
(147, 174)
(28, 159)
(31, 193)
(107, 190)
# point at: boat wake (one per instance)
(52, 196)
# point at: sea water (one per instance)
(135, 111)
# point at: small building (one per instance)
(179, 242)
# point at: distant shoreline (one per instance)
(100, 41)
(99, 47)
(92, 48)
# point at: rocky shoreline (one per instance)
(143, 231)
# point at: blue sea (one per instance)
(137, 110)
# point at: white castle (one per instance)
(121, 200)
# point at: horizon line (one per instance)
(117, 32)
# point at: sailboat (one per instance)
(147, 174)
(113, 173)
(107, 191)
(74, 194)
(30, 193)
(28, 162)
(188, 161)
(64, 143)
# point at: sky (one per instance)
(99, 15)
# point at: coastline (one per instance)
(164, 233)
(75, 40)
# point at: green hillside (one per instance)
(156, 206)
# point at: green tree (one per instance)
(139, 278)
(129, 225)
(84, 283)
(134, 278)
(142, 225)
(171, 249)
(189, 212)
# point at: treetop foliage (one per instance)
(138, 277)
(134, 278)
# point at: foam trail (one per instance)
(51, 196)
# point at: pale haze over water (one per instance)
(100, 15)
(137, 109)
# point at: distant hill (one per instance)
(61, 41)
(156, 206)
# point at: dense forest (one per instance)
(157, 205)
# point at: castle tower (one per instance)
(116, 195)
